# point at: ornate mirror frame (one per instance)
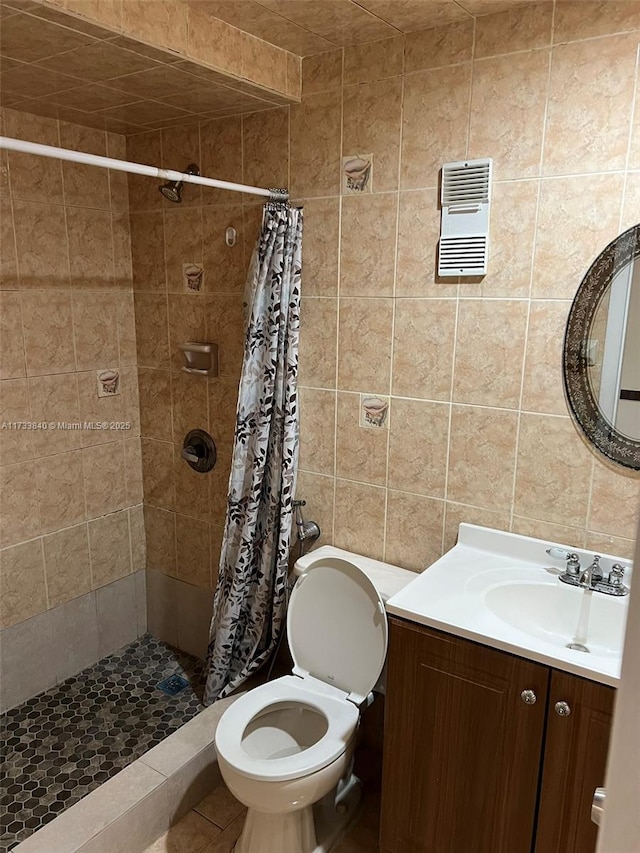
(582, 403)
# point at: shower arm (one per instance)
(21, 145)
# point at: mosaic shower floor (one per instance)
(64, 743)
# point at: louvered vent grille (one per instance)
(466, 183)
(464, 232)
(463, 255)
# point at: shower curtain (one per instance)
(250, 599)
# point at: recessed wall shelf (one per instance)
(200, 358)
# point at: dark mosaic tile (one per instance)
(66, 742)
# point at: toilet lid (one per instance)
(337, 627)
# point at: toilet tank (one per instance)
(386, 578)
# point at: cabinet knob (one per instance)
(562, 709)
(528, 697)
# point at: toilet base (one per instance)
(314, 829)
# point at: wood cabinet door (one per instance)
(462, 749)
(575, 758)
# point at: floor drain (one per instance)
(577, 647)
(173, 685)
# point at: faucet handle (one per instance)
(616, 574)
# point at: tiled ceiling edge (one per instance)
(215, 46)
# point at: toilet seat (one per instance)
(340, 714)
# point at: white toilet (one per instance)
(285, 749)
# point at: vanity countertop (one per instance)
(503, 590)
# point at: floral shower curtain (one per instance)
(250, 600)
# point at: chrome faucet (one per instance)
(307, 530)
(591, 578)
(592, 574)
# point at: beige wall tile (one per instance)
(563, 255)
(189, 404)
(525, 27)
(489, 352)
(138, 538)
(224, 265)
(193, 551)
(590, 98)
(434, 129)
(542, 391)
(418, 233)
(12, 347)
(318, 491)
(513, 91)
(41, 245)
(105, 485)
(364, 345)
(322, 72)
(511, 242)
(602, 544)
(414, 531)
(182, 243)
(23, 584)
(34, 178)
(133, 470)
(359, 518)
(224, 322)
(85, 186)
(615, 502)
(321, 246)
(19, 519)
(418, 447)
(318, 342)
(8, 261)
(221, 146)
(160, 527)
(456, 514)
(147, 251)
(634, 151)
(265, 148)
(95, 326)
(126, 329)
(554, 471)
(193, 490)
(90, 247)
(162, 23)
(375, 60)
(223, 400)
(549, 532)
(54, 401)
(152, 331)
(67, 566)
(631, 198)
(213, 41)
(482, 457)
(361, 452)
(144, 148)
(371, 125)
(423, 344)
(264, 63)
(186, 323)
(60, 491)
(294, 75)
(317, 430)
(583, 19)
(315, 145)
(49, 333)
(100, 409)
(157, 473)
(15, 444)
(110, 548)
(368, 245)
(447, 45)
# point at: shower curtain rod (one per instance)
(21, 145)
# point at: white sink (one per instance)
(502, 590)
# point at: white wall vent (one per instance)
(464, 228)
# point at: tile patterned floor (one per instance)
(215, 824)
(64, 743)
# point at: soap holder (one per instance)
(200, 358)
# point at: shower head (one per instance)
(172, 191)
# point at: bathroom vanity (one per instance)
(496, 733)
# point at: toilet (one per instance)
(285, 749)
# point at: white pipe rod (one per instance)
(25, 147)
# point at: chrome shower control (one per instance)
(529, 697)
(562, 709)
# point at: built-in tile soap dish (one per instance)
(200, 358)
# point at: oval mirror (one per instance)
(601, 357)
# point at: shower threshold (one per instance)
(66, 742)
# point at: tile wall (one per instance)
(478, 428)
(71, 518)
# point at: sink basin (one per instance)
(503, 590)
(551, 612)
